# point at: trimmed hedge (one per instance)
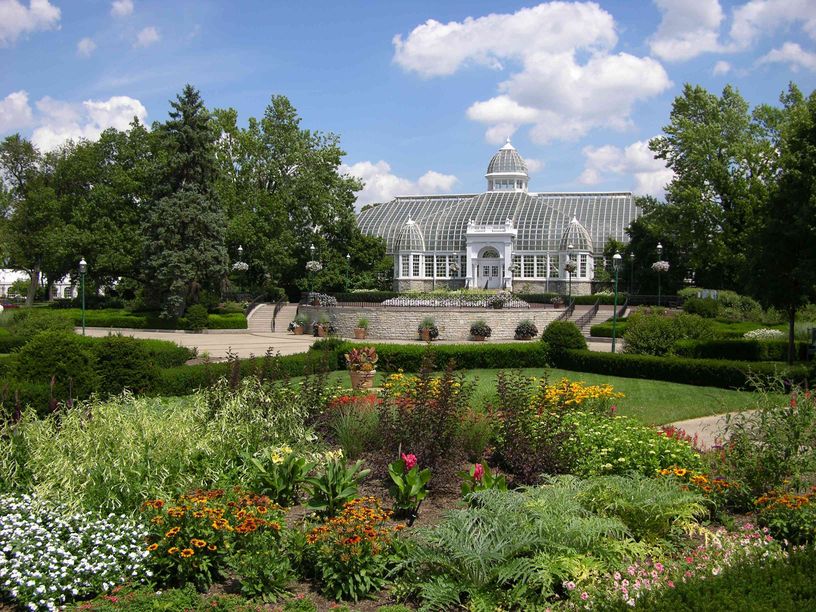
(8, 343)
(701, 372)
(722, 329)
(149, 320)
(374, 297)
(739, 349)
(604, 330)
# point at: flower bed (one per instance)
(458, 301)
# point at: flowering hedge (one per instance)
(50, 556)
(458, 301)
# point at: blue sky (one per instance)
(421, 93)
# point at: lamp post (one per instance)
(631, 271)
(311, 274)
(659, 258)
(83, 268)
(348, 268)
(569, 278)
(616, 262)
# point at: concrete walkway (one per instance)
(243, 344)
(709, 430)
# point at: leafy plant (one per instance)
(263, 565)
(363, 359)
(480, 329)
(430, 325)
(526, 329)
(409, 486)
(349, 554)
(480, 478)
(789, 516)
(362, 323)
(336, 486)
(278, 473)
(476, 430)
(196, 317)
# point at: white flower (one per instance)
(660, 266)
(313, 266)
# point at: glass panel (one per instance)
(582, 265)
(415, 271)
(494, 271)
(429, 266)
(529, 264)
(441, 266)
(486, 271)
(463, 266)
(404, 265)
(541, 266)
(555, 264)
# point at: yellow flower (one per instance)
(187, 552)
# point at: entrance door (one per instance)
(489, 270)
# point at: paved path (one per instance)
(709, 430)
(243, 344)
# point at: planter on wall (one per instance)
(478, 338)
(298, 331)
(360, 333)
(425, 335)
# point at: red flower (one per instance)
(410, 461)
(478, 472)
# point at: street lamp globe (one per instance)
(240, 252)
(616, 261)
(659, 249)
(312, 250)
(83, 266)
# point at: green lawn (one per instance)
(649, 401)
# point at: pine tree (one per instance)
(185, 224)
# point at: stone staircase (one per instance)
(604, 314)
(260, 319)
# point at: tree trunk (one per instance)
(34, 276)
(791, 334)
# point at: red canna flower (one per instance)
(410, 461)
(478, 472)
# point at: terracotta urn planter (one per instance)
(298, 330)
(362, 380)
(478, 338)
(360, 333)
(321, 331)
(425, 335)
(524, 338)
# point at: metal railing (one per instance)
(588, 315)
(622, 309)
(564, 316)
(278, 306)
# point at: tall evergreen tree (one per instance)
(184, 229)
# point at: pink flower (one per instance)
(569, 585)
(584, 596)
(478, 472)
(631, 570)
(410, 461)
(613, 408)
(670, 583)
(616, 576)
(659, 567)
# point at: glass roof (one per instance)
(541, 219)
(507, 161)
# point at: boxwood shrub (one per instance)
(8, 342)
(408, 357)
(149, 320)
(562, 335)
(702, 372)
(366, 296)
(738, 349)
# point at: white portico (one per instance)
(489, 250)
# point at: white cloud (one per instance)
(121, 8)
(687, 29)
(793, 55)
(86, 47)
(548, 88)
(59, 121)
(533, 165)
(15, 112)
(381, 185)
(147, 37)
(16, 19)
(758, 17)
(650, 175)
(721, 67)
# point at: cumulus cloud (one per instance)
(147, 37)
(121, 8)
(17, 19)
(15, 112)
(86, 47)
(721, 67)
(791, 54)
(687, 29)
(548, 88)
(533, 165)
(382, 185)
(58, 120)
(650, 175)
(758, 17)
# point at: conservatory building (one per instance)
(504, 238)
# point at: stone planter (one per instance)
(321, 332)
(362, 380)
(524, 338)
(360, 333)
(425, 335)
(298, 331)
(478, 338)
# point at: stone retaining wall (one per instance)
(398, 323)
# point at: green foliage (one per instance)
(650, 333)
(774, 443)
(705, 307)
(111, 455)
(784, 583)
(394, 357)
(738, 349)
(196, 317)
(620, 445)
(66, 357)
(562, 335)
(123, 363)
(428, 324)
(336, 486)
(409, 486)
(476, 431)
(118, 317)
(8, 343)
(147, 599)
(526, 329)
(27, 322)
(279, 474)
(354, 424)
(702, 372)
(480, 328)
(263, 566)
(514, 549)
(789, 516)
